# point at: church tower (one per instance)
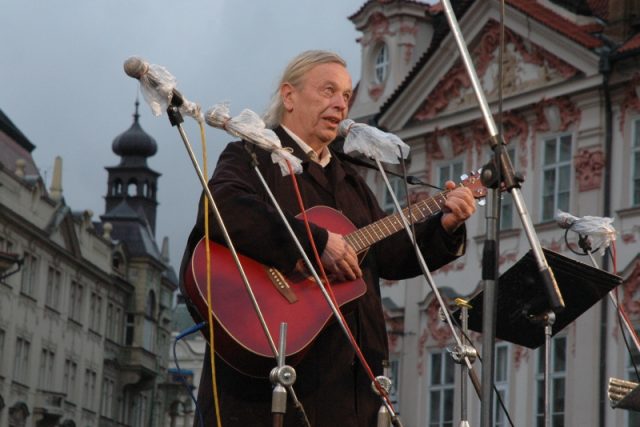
(132, 182)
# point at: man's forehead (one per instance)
(336, 73)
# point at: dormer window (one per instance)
(381, 63)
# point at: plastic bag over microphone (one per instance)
(372, 142)
(599, 229)
(250, 127)
(159, 87)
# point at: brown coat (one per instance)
(332, 385)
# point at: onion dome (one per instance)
(134, 142)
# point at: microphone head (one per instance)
(344, 127)
(135, 67)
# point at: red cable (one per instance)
(361, 357)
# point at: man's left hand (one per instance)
(460, 205)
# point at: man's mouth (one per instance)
(333, 120)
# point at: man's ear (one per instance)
(287, 92)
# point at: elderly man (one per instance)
(312, 98)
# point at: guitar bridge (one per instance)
(281, 285)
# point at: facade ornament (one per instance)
(455, 81)
(588, 166)
(631, 293)
(378, 25)
(631, 100)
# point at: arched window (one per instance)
(132, 188)
(117, 187)
(381, 64)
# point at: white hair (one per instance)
(293, 74)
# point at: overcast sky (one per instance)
(63, 86)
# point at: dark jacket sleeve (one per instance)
(395, 256)
(255, 227)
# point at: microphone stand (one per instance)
(490, 254)
(312, 270)
(175, 118)
(585, 245)
(459, 348)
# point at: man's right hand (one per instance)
(339, 259)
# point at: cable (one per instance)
(208, 264)
(183, 380)
(495, 389)
(383, 393)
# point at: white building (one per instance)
(85, 322)
(571, 119)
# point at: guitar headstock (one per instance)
(473, 182)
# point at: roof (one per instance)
(7, 126)
(558, 23)
(14, 145)
(366, 4)
(630, 45)
(132, 229)
(581, 34)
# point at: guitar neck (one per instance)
(364, 237)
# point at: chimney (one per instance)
(55, 191)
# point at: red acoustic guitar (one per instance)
(239, 338)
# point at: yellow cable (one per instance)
(208, 262)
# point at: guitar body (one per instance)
(239, 337)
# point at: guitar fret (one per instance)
(371, 239)
(362, 243)
(366, 236)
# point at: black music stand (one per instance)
(521, 296)
(524, 315)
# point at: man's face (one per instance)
(314, 109)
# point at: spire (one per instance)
(132, 182)
(134, 145)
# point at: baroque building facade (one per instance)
(85, 309)
(571, 123)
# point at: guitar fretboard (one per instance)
(363, 238)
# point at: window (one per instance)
(441, 390)
(399, 189)
(47, 361)
(557, 377)
(394, 375)
(111, 325)
(381, 66)
(21, 360)
(2, 335)
(636, 164)
(119, 325)
(75, 301)
(89, 390)
(129, 329)
(501, 382)
(450, 172)
(556, 176)
(54, 286)
(69, 379)
(96, 312)
(106, 398)
(29, 274)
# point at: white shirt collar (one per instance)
(325, 155)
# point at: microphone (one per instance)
(372, 142)
(599, 229)
(250, 127)
(158, 87)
